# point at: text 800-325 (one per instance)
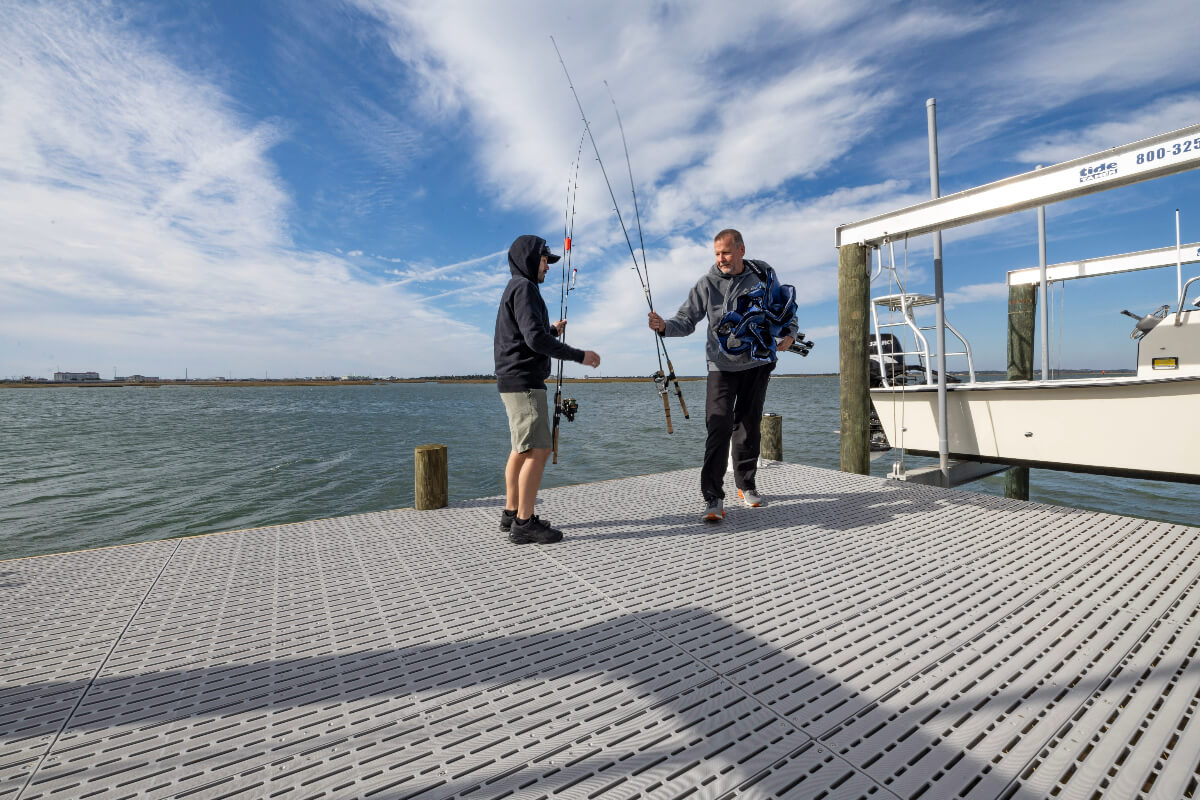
(1175, 149)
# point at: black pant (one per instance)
(733, 410)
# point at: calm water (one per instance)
(94, 467)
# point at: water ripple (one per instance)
(89, 468)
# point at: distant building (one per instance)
(76, 377)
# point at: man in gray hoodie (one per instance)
(737, 384)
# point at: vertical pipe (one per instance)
(1178, 263)
(853, 378)
(1044, 291)
(935, 192)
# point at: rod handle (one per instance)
(679, 394)
(667, 411)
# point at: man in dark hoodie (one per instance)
(524, 343)
(737, 384)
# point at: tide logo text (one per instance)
(1102, 170)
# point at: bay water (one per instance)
(94, 467)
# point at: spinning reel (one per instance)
(660, 382)
(568, 407)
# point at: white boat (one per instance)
(1145, 425)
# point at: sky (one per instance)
(274, 189)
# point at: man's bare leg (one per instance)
(512, 474)
(529, 479)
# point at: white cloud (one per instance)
(138, 196)
(1162, 116)
(142, 220)
(1103, 47)
(976, 293)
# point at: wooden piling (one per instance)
(771, 433)
(854, 380)
(1022, 316)
(430, 471)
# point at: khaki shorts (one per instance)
(528, 419)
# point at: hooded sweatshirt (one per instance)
(524, 342)
(713, 296)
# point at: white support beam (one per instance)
(1108, 265)
(1166, 154)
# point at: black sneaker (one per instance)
(506, 520)
(535, 530)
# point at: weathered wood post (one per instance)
(430, 476)
(771, 431)
(1022, 308)
(854, 286)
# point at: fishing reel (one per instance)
(568, 407)
(660, 382)
(801, 345)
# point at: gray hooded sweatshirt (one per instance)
(713, 296)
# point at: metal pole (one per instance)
(935, 192)
(1178, 262)
(1044, 291)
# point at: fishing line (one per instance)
(569, 406)
(660, 380)
(616, 206)
(659, 342)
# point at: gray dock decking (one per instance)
(857, 638)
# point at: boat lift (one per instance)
(1155, 157)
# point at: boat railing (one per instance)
(1183, 299)
(905, 303)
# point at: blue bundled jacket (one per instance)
(716, 296)
(760, 316)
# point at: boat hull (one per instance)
(1131, 427)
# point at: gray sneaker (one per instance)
(752, 498)
(714, 510)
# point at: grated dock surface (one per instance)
(856, 638)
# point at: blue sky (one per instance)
(293, 189)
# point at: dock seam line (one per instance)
(812, 740)
(103, 663)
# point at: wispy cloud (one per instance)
(142, 193)
(136, 205)
(1163, 115)
(976, 293)
(420, 273)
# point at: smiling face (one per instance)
(729, 255)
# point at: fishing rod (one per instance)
(569, 406)
(660, 342)
(660, 377)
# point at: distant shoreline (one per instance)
(388, 381)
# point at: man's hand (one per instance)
(591, 359)
(560, 327)
(785, 343)
(656, 322)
